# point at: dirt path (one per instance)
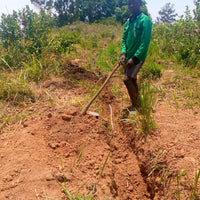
(56, 144)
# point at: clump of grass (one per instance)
(108, 57)
(33, 71)
(158, 167)
(144, 119)
(75, 197)
(10, 114)
(193, 193)
(143, 122)
(16, 90)
(103, 167)
(151, 71)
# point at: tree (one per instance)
(67, 11)
(167, 13)
(197, 11)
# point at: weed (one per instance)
(193, 193)
(34, 70)
(103, 167)
(178, 179)
(16, 90)
(76, 197)
(49, 97)
(158, 166)
(64, 187)
(175, 100)
(10, 115)
(80, 153)
(146, 101)
(151, 71)
(116, 90)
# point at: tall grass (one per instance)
(143, 121)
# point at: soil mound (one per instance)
(56, 145)
(79, 73)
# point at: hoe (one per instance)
(84, 110)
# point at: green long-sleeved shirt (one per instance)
(136, 37)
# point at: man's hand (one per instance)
(130, 63)
(122, 59)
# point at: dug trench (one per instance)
(55, 145)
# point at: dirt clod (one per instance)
(61, 177)
(66, 117)
(49, 115)
(53, 145)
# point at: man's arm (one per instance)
(145, 39)
(124, 36)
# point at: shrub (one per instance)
(151, 71)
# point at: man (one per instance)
(135, 42)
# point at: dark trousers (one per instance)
(130, 80)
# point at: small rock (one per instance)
(118, 161)
(62, 144)
(49, 115)
(31, 109)
(53, 145)
(50, 177)
(72, 111)
(67, 155)
(61, 177)
(130, 188)
(66, 117)
(25, 125)
(9, 178)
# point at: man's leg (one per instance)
(130, 80)
(132, 87)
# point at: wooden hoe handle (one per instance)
(84, 110)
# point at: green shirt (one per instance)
(136, 37)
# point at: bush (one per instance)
(151, 71)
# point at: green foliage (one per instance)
(34, 70)
(16, 90)
(179, 41)
(151, 71)
(87, 10)
(147, 101)
(107, 57)
(193, 193)
(103, 167)
(9, 29)
(36, 30)
(77, 197)
(63, 42)
(197, 11)
(22, 34)
(143, 121)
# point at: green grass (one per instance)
(151, 71)
(75, 197)
(193, 192)
(146, 100)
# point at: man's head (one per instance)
(134, 5)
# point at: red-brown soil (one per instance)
(55, 144)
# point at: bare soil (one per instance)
(55, 145)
